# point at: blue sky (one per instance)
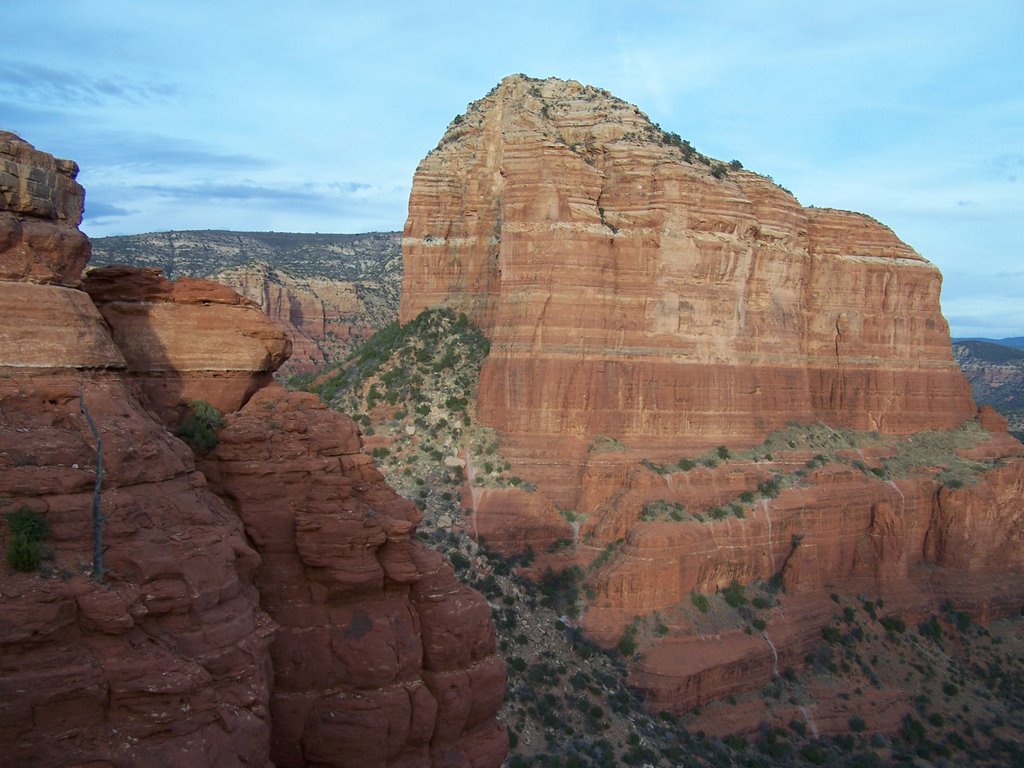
(312, 116)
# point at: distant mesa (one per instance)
(328, 293)
(1017, 342)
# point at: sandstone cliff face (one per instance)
(188, 340)
(628, 291)
(40, 210)
(378, 655)
(165, 661)
(639, 295)
(382, 657)
(324, 318)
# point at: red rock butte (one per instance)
(646, 303)
(632, 287)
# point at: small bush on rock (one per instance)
(199, 430)
(29, 529)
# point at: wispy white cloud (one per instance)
(41, 84)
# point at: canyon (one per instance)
(261, 601)
(655, 404)
(996, 374)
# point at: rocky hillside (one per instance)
(254, 596)
(868, 685)
(327, 292)
(996, 373)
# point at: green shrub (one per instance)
(735, 741)
(733, 594)
(28, 523)
(857, 724)
(28, 529)
(628, 644)
(199, 429)
(770, 488)
(931, 629)
(23, 554)
(560, 591)
(831, 634)
(894, 624)
(700, 601)
(813, 754)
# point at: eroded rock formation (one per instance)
(325, 317)
(375, 655)
(633, 288)
(187, 340)
(381, 657)
(164, 660)
(639, 295)
(327, 293)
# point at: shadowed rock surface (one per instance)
(375, 655)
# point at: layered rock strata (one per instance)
(324, 318)
(162, 659)
(164, 656)
(646, 303)
(631, 287)
(40, 210)
(382, 657)
(187, 340)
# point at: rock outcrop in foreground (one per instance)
(654, 316)
(381, 656)
(281, 614)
